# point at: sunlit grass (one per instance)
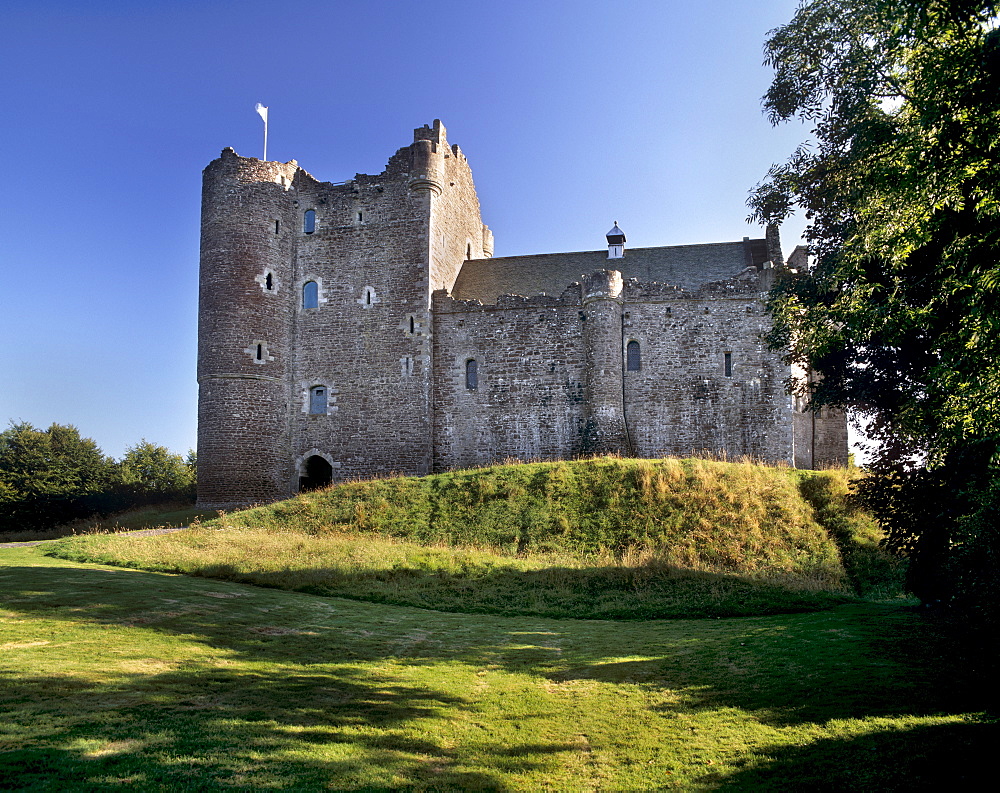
(118, 678)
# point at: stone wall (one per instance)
(553, 380)
(707, 383)
(369, 255)
(528, 401)
(391, 347)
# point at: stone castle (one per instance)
(354, 329)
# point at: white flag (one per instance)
(262, 111)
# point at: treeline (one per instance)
(53, 476)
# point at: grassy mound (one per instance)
(598, 539)
(696, 514)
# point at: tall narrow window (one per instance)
(368, 297)
(317, 400)
(277, 226)
(360, 217)
(260, 352)
(309, 221)
(633, 359)
(310, 295)
(468, 251)
(412, 326)
(471, 375)
(269, 282)
(729, 364)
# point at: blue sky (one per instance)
(572, 114)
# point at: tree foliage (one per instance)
(153, 470)
(53, 476)
(901, 187)
(46, 476)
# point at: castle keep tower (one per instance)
(362, 328)
(314, 359)
(245, 330)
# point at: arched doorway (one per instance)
(316, 473)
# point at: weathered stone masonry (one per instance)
(355, 329)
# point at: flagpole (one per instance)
(262, 112)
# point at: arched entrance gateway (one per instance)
(316, 473)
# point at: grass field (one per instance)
(118, 678)
(789, 661)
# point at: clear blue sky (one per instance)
(572, 113)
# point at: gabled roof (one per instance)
(686, 266)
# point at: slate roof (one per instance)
(686, 266)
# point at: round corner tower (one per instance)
(245, 312)
(604, 430)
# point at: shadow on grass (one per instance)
(189, 730)
(597, 593)
(927, 757)
(261, 727)
(200, 725)
(855, 662)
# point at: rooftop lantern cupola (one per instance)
(616, 243)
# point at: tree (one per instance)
(897, 315)
(151, 470)
(46, 476)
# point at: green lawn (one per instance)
(380, 569)
(117, 678)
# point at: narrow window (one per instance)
(310, 295)
(468, 251)
(317, 400)
(633, 361)
(368, 297)
(412, 326)
(309, 221)
(729, 364)
(277, 226)
(471, 375)
(359, 217)
(269, 282)
(260, 352)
